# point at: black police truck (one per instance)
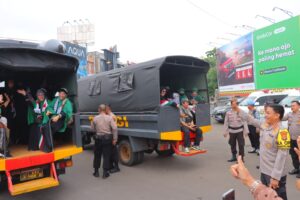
(133, 93)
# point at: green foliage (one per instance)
(212, 73)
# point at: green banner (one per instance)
(277, 55)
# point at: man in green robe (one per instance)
(61, 111)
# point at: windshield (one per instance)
(245, 101)
(288, 100)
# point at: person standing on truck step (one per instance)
(236, 128)
(293, 119)
(114, 165)
(187, 126)
(106, 136)
(253, 133)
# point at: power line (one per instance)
(209, 14)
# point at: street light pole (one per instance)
(266, 18)
(289, 13)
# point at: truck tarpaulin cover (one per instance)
(27, 56)
(134, 88)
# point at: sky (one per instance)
(143, 29)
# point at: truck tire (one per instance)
(165, 153)
(127, 156)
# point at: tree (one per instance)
(212, 73)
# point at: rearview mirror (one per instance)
(256, 104)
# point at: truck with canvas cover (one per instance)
(31, 66)
(133, 93)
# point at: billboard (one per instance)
(268, 58)
(277, 59)
(79, 52)
(235, 65)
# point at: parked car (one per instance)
(262, 97)
(219, 112)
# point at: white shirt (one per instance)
(3, 120)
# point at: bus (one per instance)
(33, 66)
(133, 93)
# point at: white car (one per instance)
(261, 97)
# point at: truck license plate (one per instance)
(31, 174)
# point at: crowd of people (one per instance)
(34, 122)
(269, 138)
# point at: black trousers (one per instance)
(34, 137)
(237, 138)
(187, 139)
(103, 147)
(114, 159)
(294, 155)
(253, 137)
(281, 191)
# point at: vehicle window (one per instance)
(288, 100)
(94, 88)
(277, 98)
(245, 101)
(125, 82)
(270, 98)
(262, 100)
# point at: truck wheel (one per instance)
(127, 156)
(165, 153)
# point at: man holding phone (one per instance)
(187, 126)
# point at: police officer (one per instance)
(274, 147)
(253, 134)
(236, 127)
(106, 136)
(294, 129)
(114, 165)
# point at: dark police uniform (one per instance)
(106, 131)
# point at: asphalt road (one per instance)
(201, 177)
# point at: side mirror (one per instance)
(256, 104)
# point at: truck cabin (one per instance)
(31, 66)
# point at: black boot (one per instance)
(233, 159)
(96, 173)
(105, 175)
(115, 169)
